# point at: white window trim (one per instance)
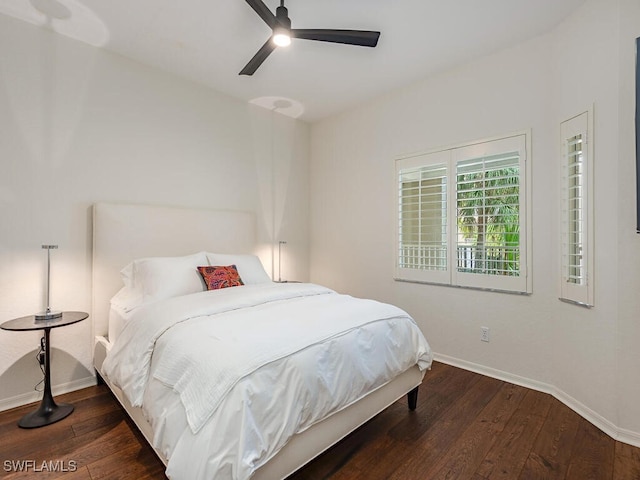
(582, 295)
(451, 277)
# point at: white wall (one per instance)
(587, 358)
(79, 125)
(628, 247)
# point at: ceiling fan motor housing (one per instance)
(282, 16)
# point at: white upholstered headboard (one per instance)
(122, 233)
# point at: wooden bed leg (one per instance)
(412, 398)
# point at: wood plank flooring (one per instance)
(466, 426)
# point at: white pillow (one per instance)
(249, 267)
(127, 275)
(158, 278)
(126, 299)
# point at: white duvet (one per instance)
(252, 366)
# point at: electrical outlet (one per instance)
(484, 335)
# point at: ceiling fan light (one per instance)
(282, 38)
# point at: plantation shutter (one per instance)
(423, 227)
(577, 212)
(490, 208)
(462, 216)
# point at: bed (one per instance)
(168, 352)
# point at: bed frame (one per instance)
(122, 233)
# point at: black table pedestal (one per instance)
(46, 415)
(49, 412)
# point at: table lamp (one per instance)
(280, 244)
(48, 314)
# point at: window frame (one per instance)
(450, 156)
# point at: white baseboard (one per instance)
(608, 427)
(31, 397)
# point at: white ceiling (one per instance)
(210, 41)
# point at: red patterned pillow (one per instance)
(220, 277)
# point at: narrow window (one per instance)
(577, 212)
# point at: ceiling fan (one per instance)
(280, 23)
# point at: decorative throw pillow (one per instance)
(216, 277)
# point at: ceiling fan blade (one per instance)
(364, 38)
(263, 11)
(258, 58)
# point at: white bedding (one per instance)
(117, 320)
(252, 366)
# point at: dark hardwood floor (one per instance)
(466, 426)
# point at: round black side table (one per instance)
(48, 412)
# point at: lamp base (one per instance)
(48, 315)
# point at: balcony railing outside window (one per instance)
(470, 259)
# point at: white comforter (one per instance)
(253, 366)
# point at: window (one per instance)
(462, 216)
(577, 212)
